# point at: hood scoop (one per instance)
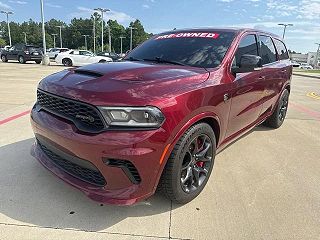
(88, 72)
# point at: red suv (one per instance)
(118, 131)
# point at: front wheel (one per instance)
(190, 164)
(279, 114)
(21, 60)
(67, 62)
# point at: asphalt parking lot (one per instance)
(264, 186)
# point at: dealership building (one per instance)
(308, 58)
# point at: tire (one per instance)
(38, 61)
(21, 59)
(67, 62)
(102, 61)
(176, 183)
(279, 114)
(4, 58)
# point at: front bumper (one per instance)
(144, 149)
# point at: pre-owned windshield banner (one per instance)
(189, 35)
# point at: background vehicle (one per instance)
(53, 52)
(114, 56)
(159, 117)
(305, 66)
(22, 53)
(295, 64)
(79, 58)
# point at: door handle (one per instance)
(262, 78)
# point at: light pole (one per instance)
(9, 32)
(121, 43)
(109, 33)
(102, 10)
(317, 56)
(25, 37)
(54, 39)
(45, 57)
(285, 25)
(85, 41)
(60, 32)
(94, 33)
(131, 28)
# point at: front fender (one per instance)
(175, 138)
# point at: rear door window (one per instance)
(247, 45)
(281, 49)
(267, 50)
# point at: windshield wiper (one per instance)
(160, 60)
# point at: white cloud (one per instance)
(226, 1)
(4, 6)
(18, 2)
(146, 6)
(304, 9)
(53, 5)
(84, 12)
(121, 17)
(310, 9)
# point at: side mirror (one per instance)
(248, 63)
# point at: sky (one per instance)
(161, 15)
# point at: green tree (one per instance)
(72, 33)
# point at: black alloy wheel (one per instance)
(190, 164)
(196, 163)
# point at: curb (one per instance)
(304, 75)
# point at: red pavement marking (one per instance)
(305, 110)
(9, 119)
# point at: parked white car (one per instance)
(305, 66)
(79, 58)
(53, 52)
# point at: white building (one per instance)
(308, 58)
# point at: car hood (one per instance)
(122, 83)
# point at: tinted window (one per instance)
(197, 49)
(267, 50)
(281, 49)
(247, 45)
(19, 47)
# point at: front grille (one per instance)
(84, 116)
(128, 168)
(91, 176)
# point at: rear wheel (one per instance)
(4, 58)
(21, 60)
(190, 164)
(67, 62)
(279, 114)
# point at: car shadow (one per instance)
(32, 195)
(259, 128)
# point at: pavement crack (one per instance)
(87, 231)
(170, 220)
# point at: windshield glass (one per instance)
(196, 49)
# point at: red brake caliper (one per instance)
(199, 164)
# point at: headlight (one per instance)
(150, 117)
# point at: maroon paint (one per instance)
(185, 95)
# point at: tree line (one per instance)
(72, 34)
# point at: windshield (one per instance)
(196, 49)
